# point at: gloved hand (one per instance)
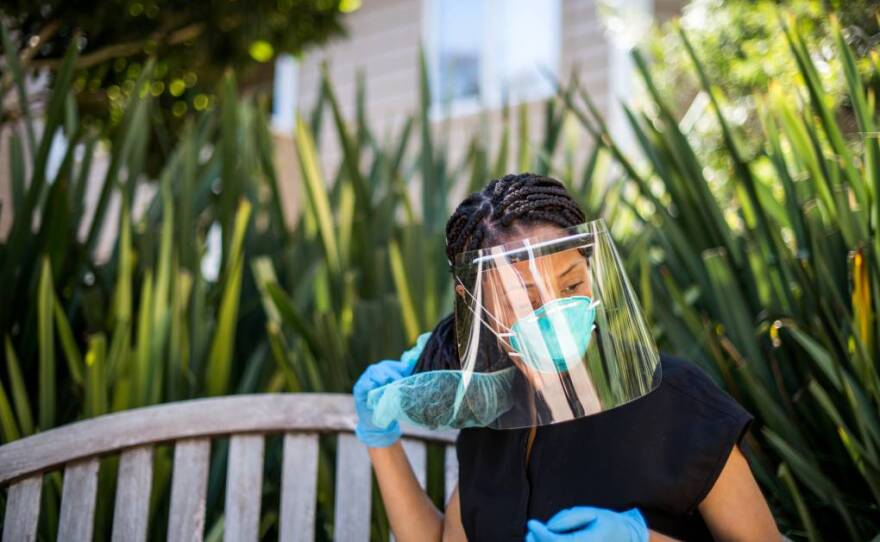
(590, 524)
(379, 374)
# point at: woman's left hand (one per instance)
(379, 374)
(589, 524)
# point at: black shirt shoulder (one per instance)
(708, 420)
(686, 379)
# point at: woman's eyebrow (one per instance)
(570, 267)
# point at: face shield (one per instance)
(548, 329)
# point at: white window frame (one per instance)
(490, 93)
(621, 72)
(285, 94)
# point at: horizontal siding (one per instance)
(667, 9)
(584, 45)
(383, 42)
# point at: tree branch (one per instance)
(120, 50)
(30, 50)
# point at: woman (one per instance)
(558, 445)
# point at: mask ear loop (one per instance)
(509, 333)
(504, 336)
(532, 406)
(467, 365)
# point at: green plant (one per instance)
(776, 291)
(302, 307)
(84, 337)
(743, 52)
(193, 45)
(379, 255)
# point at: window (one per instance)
(284, 94)
(483, 53)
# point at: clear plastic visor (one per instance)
(559, 307)
(548, 329)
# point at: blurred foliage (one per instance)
(764, 272)
(743, 52)
(767, 272)
(731, 34)
(294, 307)
(194, 42)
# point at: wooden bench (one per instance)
(190, 425)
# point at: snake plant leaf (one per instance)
(23, 423)
(407, 305)
(14, 66)
(68, 344)
(47, 380)
(316, 191)
(7, 419)
(96, 382)
(223, 345)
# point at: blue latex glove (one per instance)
(379, 374)
(590, 524)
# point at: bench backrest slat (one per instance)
(299, 486)
(417, 453)
(78, 493)
(189, 481)
(244, 484)
(450, 471)
(132, 503)
(190, 427)
(353, 490)
(209, 417)
(23, 509)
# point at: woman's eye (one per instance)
(572, 287)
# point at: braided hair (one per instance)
(504, 207)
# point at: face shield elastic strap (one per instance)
(479, 310)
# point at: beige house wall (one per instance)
(383, 45)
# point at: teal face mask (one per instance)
(555, 337)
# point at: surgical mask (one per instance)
(555, 337)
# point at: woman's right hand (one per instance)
(376, 375)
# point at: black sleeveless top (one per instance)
(661, 453)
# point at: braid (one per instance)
(465, 224)
(484, 217)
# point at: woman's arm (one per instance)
(453, 530)
(660, 537)
(411, 513)
(735, 508)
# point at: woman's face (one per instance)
(513, 290)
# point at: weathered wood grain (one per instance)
(353, 490)
(22, 510)
(265, 413)
(189, 480)
(417, 453)
(450, 478)
(77, 518)
(244, 483)
(299, 485)
(132, 504)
